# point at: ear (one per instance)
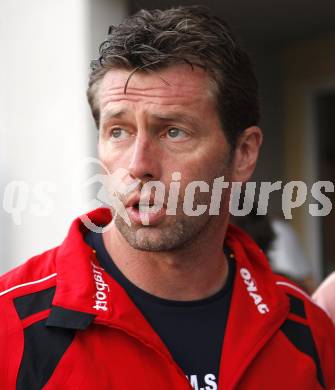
(246, 153)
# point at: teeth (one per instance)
(148, 209)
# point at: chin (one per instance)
(161, 238)
(153, 238)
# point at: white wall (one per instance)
(45, 125)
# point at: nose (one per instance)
(145, 160)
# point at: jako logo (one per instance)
(102, 290)
(253, 292)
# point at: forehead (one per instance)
(178, 84)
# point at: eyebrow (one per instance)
(169, 117)
(176, 116)
(118, 113)
(114, 113)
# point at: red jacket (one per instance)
(66, 324)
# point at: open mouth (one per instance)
(150, 207)
(145, 212)
(146, 206)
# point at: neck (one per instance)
(193, 272)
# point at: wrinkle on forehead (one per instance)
(174, 83)
(150, 99)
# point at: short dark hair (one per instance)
(155, 39)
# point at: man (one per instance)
(166, 297)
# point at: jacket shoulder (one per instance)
(310, 329)
(26, 294)
(298, 297)
(30, 275)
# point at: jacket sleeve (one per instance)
(324, 336)
(11, 344)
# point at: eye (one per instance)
(174, 133)
(118, 134)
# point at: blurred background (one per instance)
(46, 128)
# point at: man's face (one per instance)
(166, 122)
